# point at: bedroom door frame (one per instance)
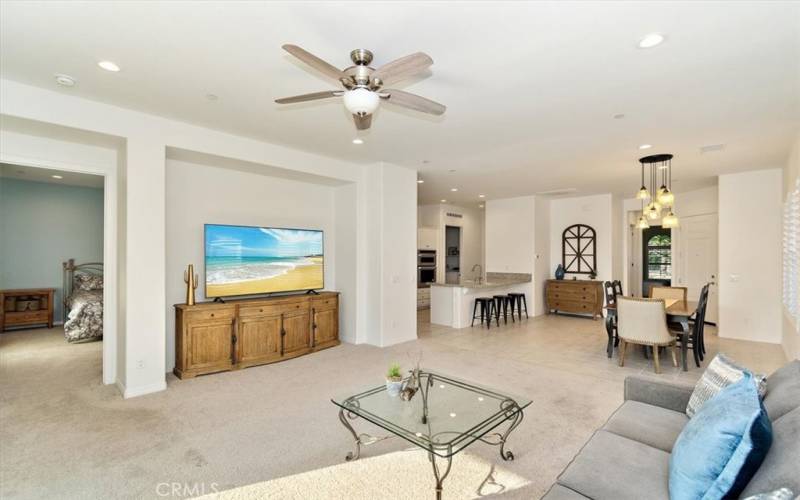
(110, 299)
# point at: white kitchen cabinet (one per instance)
(426, 238)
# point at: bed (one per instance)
(83, 301)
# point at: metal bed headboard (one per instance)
(69, 270)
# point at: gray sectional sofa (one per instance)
(628, 458)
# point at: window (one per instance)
(791, 254)
(658, 254)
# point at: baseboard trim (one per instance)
(132, 392)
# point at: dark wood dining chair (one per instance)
(618, 288)
(611, 319)
(694, 337)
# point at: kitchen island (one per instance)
(452, 303)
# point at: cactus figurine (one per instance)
(191, 284)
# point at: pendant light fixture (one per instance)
(659, 196)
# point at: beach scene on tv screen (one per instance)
(251, 260)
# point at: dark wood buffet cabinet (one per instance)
(575, 296)
(212, 337)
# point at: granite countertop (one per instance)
(493, 283)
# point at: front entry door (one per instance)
(698, 247)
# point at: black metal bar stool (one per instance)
(487, 311)
(503, 301)
(519, 298)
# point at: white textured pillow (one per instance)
(721, 372)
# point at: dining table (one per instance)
(678, 313)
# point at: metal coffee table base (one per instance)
(439, 473)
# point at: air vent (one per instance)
(711, 148)
(557, 192)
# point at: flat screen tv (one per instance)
(247, 260)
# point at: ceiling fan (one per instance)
(363, 85)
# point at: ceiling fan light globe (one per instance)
(361, 101)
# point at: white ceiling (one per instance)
(531, 88)
(35, 174)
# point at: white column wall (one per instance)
(145, 267)
(750, 243)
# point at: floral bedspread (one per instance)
(85, 320)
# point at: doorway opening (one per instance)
(657, 258)
(452, 262)
(52, 229)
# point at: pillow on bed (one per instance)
(87, 282)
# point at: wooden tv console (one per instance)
(213, 337)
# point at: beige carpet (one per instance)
(65, 435)
(406, 474)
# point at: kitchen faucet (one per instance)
(479, 279)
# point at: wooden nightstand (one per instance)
(26, 307)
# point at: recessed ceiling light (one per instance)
(64, 80)
(480, 206)
(651, 40)
(454, 189)
(481, 196)
(443, 201)
(420, 181)
(108, 66)
(645, 146)
(57, 176)
(358, 141)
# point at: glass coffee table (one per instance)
(443, 417)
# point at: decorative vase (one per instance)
(191, 284)
(394, 386)
(560, 272)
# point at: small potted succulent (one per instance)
(394, 380)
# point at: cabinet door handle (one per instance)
(313, 326)
(234, 340)
(283, 334)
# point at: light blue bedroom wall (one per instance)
(43, 225)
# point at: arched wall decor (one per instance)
(579, 249)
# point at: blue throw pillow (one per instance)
(722, 446)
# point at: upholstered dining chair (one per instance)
(668, 292)
(644, 322)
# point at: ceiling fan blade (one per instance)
(402, 68)
(413, 101)
(363, 122)
(315, 62)
(309, 97)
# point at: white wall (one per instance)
(790, 330)
(510, 235)
(594, 211)
(198, 195)
(750, 270)
(398, 227)
(512, 226)
(541, 243)
(345, 261)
